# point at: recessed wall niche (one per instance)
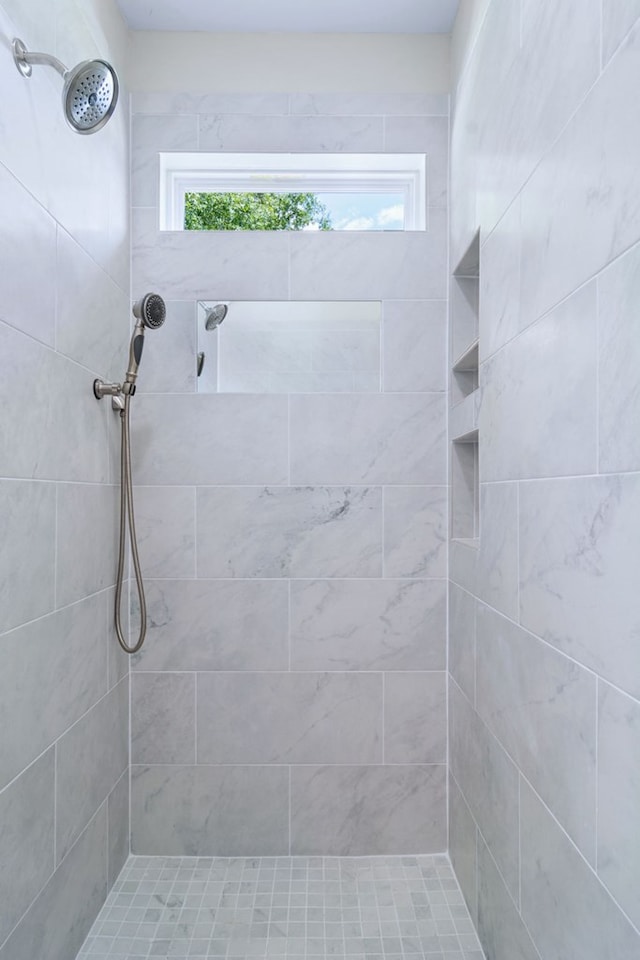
(464, 396)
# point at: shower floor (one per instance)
(389, 908)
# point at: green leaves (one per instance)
(254, 211)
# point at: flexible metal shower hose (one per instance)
(126, 511)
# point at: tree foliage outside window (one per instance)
(255, 211)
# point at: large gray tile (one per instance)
(169, 364)
(75, 892)
(542, 708)
(353, 811)
(289, 532)
(118, 827)
(497, 556)
(168, 102)
(502, 933)
(462, 640)
(27, 562)
(462, 847)
(210, 811)
(368, 625)
(429, 135)
(415, 346)
(415, 531)
(415, 717)
(370, 104)
(165, 524)
(59, 663)
(311, 134)
(565, 907)
(519, 411)
(26, 839)
(90, 759)
(163, 718)
(488, 780)
(210, 439)
(370, 266)
(619, 797)
(499, 300)
(579, 555)
(28, 238)
(618, 359)
(87, 539)
(368, 439)
(291, 718)
(149, 136)
(216, 625)
(618, 17)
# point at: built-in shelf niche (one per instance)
(463, 415)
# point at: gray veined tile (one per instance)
(415, 717)
(293, 718)
(313, 134)
(169, 364)
(502, 933)
(165, 525)
(222, 625)
(289, 532)
(230, 811)
(368, 625)
(118, 827)
(163, 718)
(462, 640)
(415, 531)
(415, 337)
(149, 136)
(462, 847)
(87, 517)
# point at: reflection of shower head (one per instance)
(90, 89)
(215, 316)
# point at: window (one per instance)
(347, 191)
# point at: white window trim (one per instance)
(182, 173)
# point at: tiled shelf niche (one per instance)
(463, 413)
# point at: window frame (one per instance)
(399, 173)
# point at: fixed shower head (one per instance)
(150, 310)
(215, 316)
(90, 90)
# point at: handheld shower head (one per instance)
(150, 312)
(90, 90)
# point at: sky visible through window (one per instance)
(364, 211)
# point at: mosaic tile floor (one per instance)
(389, 908)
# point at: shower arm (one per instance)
(25, 59)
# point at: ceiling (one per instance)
(292, 16)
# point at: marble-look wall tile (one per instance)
(488, 780)
(289, 718)
(367, 104)
(497, 569)
(619, 797)
(209, 811)
(462, 847)
(368, 439)
(51, 425)
(166, 528)
(26, 840)
(415, 718)
(90, 759)
(618, 360)
(578, 557)
(216, 625)
(24, 303)
(565, 907)
(569, 233)
(502, 933)
(542, 708)
(289, 532)
(76, 891)
(429, 135)
(618, 17)
(195, 265)
(163, 717)
(58, 662)
(462, 640)
(368, 625)
(414, 346)
(354, 811)
(169, 364)
(370, 266)
(27, 532)
(499, 300)
(210, 439)
(118, 827)
(292, 134)
(415, 531)
(87, 540)
(149, 136)
(519, 411)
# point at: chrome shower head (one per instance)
(150, 311)
(90, 90)
(215, 316)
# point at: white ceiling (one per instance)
(292, 16)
